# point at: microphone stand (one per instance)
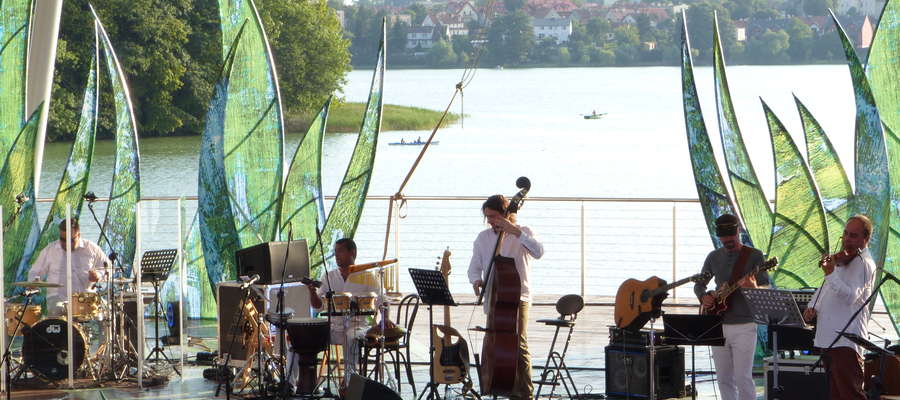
(282, 322)
(329, 299)
(887, 276)
(6, 354)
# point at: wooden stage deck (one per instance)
(586, 351)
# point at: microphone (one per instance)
(21, 198)
(249, 281)
(90, 197)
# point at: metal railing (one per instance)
(591, 244)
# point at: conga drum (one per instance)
(309, 337)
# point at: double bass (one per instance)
(500, 347)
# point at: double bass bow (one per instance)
(500, 347)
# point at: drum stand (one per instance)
(7, 355)
(117, 352)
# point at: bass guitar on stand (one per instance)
(451, 359)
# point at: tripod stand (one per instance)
(7, 356)
(155, 267)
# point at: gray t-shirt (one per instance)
(720, 262)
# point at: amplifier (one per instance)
(619, 336)
(296, 297)
(628, 371)
(268, 261)
(794, 381)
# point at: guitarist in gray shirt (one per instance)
(732, 263)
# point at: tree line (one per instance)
(509, 38)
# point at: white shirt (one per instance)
(359, 284)
(52, 262)
(843, 292)
(522, 249)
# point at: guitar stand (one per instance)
(433, 291)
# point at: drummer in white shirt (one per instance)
(87, 260)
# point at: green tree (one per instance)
(150, 40)
(700, 26)
(419, 12)
(817, 7)
(513, 5)
(171, 54)
(602, 57)
(441, 54)
(511, 38)
(309, 50)
(770, 47)
(801, 40)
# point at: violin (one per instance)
(842, 257)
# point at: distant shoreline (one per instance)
(347, 117)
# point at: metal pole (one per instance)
(181, 285)
(69, 322)
(583, 267)
(136, 268)
(674, 253)
(395, 271)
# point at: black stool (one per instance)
(568, 307)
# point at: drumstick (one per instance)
(362, 267)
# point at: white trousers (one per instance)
(734, 362)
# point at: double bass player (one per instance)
(519, 244)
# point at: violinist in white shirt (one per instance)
(849, 278)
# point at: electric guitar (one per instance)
(637, 301)
(450, 359)
(720, 296)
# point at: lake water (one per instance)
(529, 122)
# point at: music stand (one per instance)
(774, 308)
(433, 291)
(155, 267)
(693, 330)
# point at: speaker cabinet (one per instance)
(628, 371)
(795, 380)
(265, 299)
(268, 260)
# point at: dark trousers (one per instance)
(845, 374)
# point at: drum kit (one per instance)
(98, 319)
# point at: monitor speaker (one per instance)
(366, 389)
(268, 261)
(628, 371)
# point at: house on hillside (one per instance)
(557, 28)
(448, 25)
(421, 38)
(462, 10)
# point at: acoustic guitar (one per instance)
(637, 301)
(450, 358)
(720, 296)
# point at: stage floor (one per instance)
(586, 352)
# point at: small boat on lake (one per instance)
(417, 142)
(594, 115)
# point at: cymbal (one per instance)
(36, 284)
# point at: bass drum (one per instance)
(44, 348)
